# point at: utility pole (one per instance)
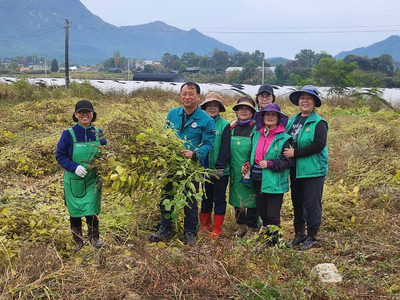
(129, 62)
(66, 54)
(45, 67)
(262, 81)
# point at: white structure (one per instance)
(390, 95)
(142, 62)
(232, 69)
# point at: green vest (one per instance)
(272, 182)
(240, 194)
(83, 195)
(315, 165)
(220, 124)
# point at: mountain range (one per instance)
(391, 46)
(38, 27)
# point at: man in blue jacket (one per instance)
(197, 129)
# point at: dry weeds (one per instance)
(360, 232)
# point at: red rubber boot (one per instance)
(205, 222)
(218, 220)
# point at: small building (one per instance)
(164, 77)
(193, 70)
(140, 63)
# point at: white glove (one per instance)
(110, 155)
(80, 171)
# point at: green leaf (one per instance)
(114, 177)
(141, 136)
(175, 215)
(115, 185)
(162, 245)
(192, 187)
(167, 204)
(120, 170)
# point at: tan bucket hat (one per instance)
(246, 101)
(212, 96)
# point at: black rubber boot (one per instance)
(190, 238)
(77, 235)
(300, 235)
(162, 234)
(311, 239)
(94, 236)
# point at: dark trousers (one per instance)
(214, 196)
(307, 199)
(268, 206)
(91, 221)
(191, 210)
(248, 216)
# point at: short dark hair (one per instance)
(192, 85)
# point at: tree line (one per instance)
(352, 71)
(308, 67)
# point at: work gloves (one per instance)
(80, 171)
(219, 173)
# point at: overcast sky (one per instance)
(277, 28)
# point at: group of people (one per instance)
(255, 154)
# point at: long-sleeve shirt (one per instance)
(65, 145)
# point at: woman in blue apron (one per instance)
(76, 147)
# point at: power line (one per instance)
(270, 30)
(32, 34)
(300, 32)
(297, 27)
(219, 30)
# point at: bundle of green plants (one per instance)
(144, 155)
